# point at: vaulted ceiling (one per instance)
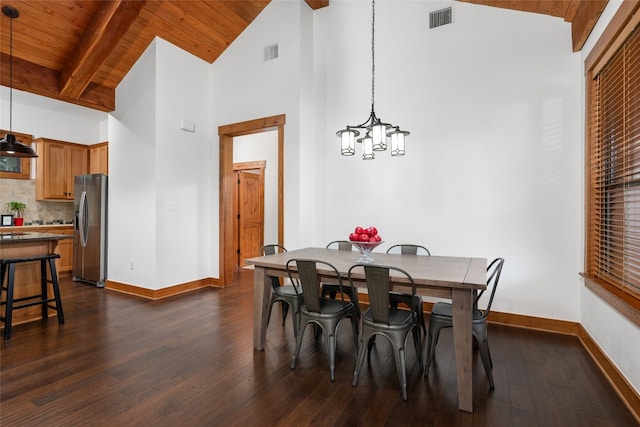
(78, 51)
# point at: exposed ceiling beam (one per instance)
(585, 18)
(43, 81)
(101, 37)
(317, 4)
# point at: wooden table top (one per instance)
(432, 271)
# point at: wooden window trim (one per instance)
(622, 24)
(625, 303)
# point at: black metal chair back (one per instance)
(409, 249)
(341, 245)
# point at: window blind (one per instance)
(613, 197)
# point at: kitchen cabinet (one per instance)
(99, 158)
(57, 165)
(65, 250)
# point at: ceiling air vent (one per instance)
(440, 17)
(270, 52)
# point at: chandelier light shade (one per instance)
(9, 147)
(376, 132)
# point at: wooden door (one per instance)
(250, 213)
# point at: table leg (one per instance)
(261, 300)
(462, 302)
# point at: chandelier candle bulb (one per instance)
(397, 142)
(348, 141)
(367, 146)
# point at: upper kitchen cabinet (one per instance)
(16, 167)
(57, 164)
(99, 158)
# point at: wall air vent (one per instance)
(270, 52)
(441, 17)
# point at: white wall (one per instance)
(615, 334)
(132, 214)
(160, 175)
(246, 88)
(49, 118)
(493, 160)
(185, 165)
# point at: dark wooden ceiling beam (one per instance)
(109, 25)
(317, 4)
(33, 78)
(585, 18)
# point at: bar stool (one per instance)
(24, 302)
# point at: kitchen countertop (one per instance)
(27, 228)
(23, 237)
(38, 225)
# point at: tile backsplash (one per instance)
(23, 190)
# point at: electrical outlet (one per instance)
(130, 265)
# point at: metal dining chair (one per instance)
(286, 294)
(324, 313)
(331, 289)
(400, 298)
(441, 317)
(381, 318)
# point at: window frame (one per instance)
(615, 35)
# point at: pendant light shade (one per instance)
(9, 147)
(397, 141)
(348, 141)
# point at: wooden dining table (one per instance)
(453, 278)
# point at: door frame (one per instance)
(226, 133)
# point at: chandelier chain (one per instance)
(373, 54)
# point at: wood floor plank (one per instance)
(189, 361)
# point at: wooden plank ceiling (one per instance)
(78, 51)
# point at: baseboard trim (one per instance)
(156, 294)
(627, 393)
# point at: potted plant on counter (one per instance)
(18, 208)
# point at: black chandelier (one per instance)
(9, 147)
(375, 131)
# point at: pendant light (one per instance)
(9, 147)
(375, 130)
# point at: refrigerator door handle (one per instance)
(84, 214)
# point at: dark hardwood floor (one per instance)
(120, 360)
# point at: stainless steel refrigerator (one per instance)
(90, 229)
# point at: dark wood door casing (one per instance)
(226, 133)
